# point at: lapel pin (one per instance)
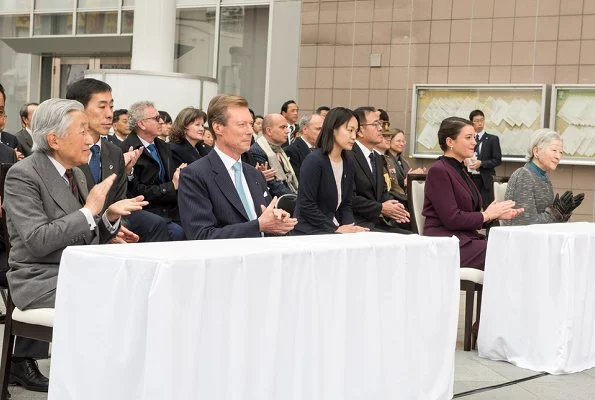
(111, 167)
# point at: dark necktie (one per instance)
(477, 143)
(95, 163)
(373, 164)
(72, 182)
(155, 155)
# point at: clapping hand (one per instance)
(577, 200)
(125, 207)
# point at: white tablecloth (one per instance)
(538, 309)
(360, 316)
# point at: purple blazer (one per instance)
(448, 208)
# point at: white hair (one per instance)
(52, 116)
(136, 113)
(540, 139)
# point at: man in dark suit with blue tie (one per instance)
(489, 156)
(154, 174)
(311, 126)
(220, 196)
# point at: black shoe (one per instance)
(25, 373)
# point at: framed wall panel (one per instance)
(512, 112)
(572, 114)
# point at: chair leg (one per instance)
(7, 349)
(469, 297)
(477, 317)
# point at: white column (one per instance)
(154, 35)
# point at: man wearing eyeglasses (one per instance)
(154, 176)
(373, 207)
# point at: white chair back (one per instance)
(499, 190)
(417, 196)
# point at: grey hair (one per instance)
(53, 115)
(540, 139)
(136, 113)
(305, 120)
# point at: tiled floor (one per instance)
(471, 372)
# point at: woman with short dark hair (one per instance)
(187, 135)
(452, 202)
(327, 179)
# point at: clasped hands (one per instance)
(566, 204)
(275, 221)
(394, 210)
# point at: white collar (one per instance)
(61, 168)
(364, 149)
(144, 142)
(227, 160)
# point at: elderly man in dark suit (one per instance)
(49, 208)
(489, 156)
(154, 175)
(106, 158)
(373, 207)
(311, 126)
(24, 135)
(222, 197)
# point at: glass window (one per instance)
(243, 51)
(14, 77)
(52, 24)
(14, 26)
(127, 21)
(97, 22)
(127, 3)
(195, 41)
(53, 5)
(98, 4)
(14, 5)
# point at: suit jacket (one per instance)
(11, 141)
(318, 198)
(112, 162)
(43, 218)
(26, 142)
(297, 152)
(162, 196)
(114, 140)
(210, 207)
(490, 156)
(7, 154)
(186, 153)
(448, 205)
(368, 193)
(276, 187)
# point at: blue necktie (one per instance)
(155, 155)
(95, 163)
(237, 171)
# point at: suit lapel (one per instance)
(363, 163)
(330, 182)
(225, 184)
(107, 165)
(256, 190)
(56, 185)
(161, 147)
(81, 182)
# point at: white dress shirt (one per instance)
(229, 163)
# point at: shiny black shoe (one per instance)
(25, 373)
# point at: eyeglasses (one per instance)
(377, 124)
(156, 118)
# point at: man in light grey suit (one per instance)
(48, 207)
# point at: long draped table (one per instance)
(538, 308)
(359, 316)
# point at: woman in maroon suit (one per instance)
(452, 203)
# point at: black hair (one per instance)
(82, 90)
(165, 117)
(286, 105)
(117, 113)
(336, 118)
(322, 108)
(451, 128)
(475, 113)
(360, 113)
(383, 115)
